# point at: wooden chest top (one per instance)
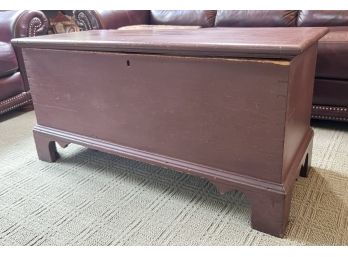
(281, 43)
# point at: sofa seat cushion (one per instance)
(10, 86)
(330, 92)
(8, 60)
(333, 55)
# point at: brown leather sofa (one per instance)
(13, 89)
(330, 100)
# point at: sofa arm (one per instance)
(109, 19)
(22, 24)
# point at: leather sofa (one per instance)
(14, 90)
(330, 100)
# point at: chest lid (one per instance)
(279, 43)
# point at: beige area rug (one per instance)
(92, 198)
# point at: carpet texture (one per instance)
(93, 198)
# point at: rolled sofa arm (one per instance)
(22, 23)
(109, 19)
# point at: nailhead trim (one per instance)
(329, 108)
(12, 99)
(15, 106)
(33, 28)
(324, 117)
(84, 20)
(16, 98)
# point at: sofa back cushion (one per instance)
(254, 18)
(322, 18)
(201, 18)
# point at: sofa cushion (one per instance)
(8, 61)
(157, 27)
(330, 92)
(322, 18)
(184, 17)
(333, 55)
(11, 86)
(240, 18)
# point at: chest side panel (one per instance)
(223, 113)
